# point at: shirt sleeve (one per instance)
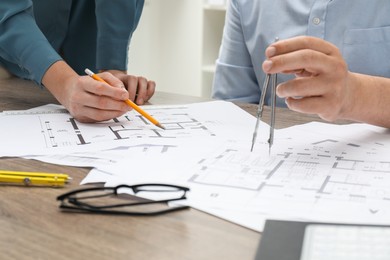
(116, 23)
(234, 78)
(24, 50)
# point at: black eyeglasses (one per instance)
(151, 199)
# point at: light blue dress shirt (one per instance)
(359, 28)
(85, 33)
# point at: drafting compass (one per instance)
(266, 83)
(273, 79)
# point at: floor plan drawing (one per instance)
(177, 124)
(43, 132)
(302, 177)
(61, 130)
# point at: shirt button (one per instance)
(316, 20)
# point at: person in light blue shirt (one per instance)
(52, 42)
(332, 59)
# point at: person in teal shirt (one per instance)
(52, 42)
(332, 57)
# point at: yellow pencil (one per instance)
(128, 101)
(34, 178)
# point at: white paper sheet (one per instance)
(40, 132)
(316, 171)
(309, 176)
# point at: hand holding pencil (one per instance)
(128, 102)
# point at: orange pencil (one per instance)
(128, 101)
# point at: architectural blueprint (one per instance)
(308, 177)
(41, 132)
(316, 171)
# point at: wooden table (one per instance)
(32, 227)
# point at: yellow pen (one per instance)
(128, 101)
(34, 178)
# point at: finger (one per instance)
(131, 85)
(313, 105)
(84, 108)
(102, 89)
(300, 43)
(112, 80)
(151, 89)
(302, 87)
(303, 73)
(308, 105)
(88, 99)
(90, 115)
(104, 103)
(313, 62)
(141, 90)
(299, 73)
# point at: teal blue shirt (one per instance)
(85, 33)
(359, 28)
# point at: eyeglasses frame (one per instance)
(85, 207)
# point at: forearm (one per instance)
(368, 100)
(56, 79)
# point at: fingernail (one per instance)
(270, 52)
(140, 100)
(267, 65)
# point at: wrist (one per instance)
(57, 77)
(359, 96)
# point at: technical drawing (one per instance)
(307, 176)
(60, 130)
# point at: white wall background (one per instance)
(167, 46)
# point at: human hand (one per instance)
(140, 89)
(86, 99)
(321, 85)
(92, 101)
